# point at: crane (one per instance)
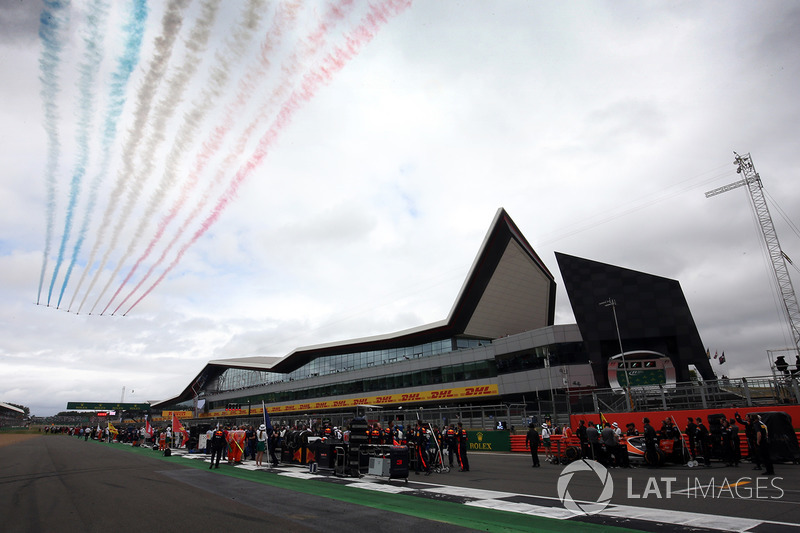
(778, 258)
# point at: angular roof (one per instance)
(263, 363)
(508, 290)
(10, 407)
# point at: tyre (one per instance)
(654, 457)
(572, 453)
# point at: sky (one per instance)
(318, 172)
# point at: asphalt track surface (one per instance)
(64, 484)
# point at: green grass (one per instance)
(440, 511)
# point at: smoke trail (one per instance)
(333, 63)
(89, 67)
(129, 58)
(285, 17)
(234, 51)
(176, 87)
(313, 43)
(53, 19)
(170, 25)
(177, 83)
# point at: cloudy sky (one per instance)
(321, 174)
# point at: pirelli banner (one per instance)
(409, 397)
(167, 415)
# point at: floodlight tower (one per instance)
(611, 302)
(778, 258)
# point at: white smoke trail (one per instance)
(285, 17)
(311, 82)
(177, 83)
(133, 30)
(170, 25)
(235, 48)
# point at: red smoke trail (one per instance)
(176, 86)
(236, 47)
(170, 26)
(285, 18)
(333, 63)
(313, 43)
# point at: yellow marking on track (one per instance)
(731, 485)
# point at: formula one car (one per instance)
(667, 451)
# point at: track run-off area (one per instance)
(64, 483)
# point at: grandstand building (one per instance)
(11, 415)
(499, 344)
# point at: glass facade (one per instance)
(565, 353)
(236, 379)
(239, 378)
(404, 380)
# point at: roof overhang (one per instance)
(214, 369)
(262, 363)
(4, 405)
(508, 290)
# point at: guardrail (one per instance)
(722, 393)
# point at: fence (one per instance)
(722, 393)
(477, 417)
(739, 392)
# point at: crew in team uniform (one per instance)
(218, 444)
(463, 461)
(451, 442)
(389, 435)
(421, 441)
(375, 434)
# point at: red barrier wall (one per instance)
(518, 443)
(680, 417)
(656, 417)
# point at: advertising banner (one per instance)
(106, 406)
(166, 415)
(489, 441)
(410, 397)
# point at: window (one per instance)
(470, 371)
(447, 374)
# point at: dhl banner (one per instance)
(410, 397)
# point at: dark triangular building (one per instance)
(651, 311)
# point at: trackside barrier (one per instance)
(518, 442)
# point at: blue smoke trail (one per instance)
(93, 41)
(52, 21)
(171, 22)
(126, 63)
(226, 61)
(177, 83)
